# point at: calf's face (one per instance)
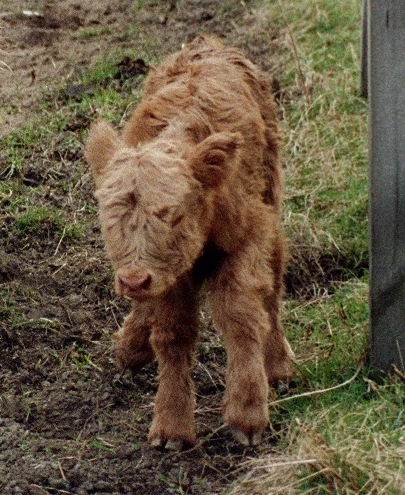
(156, 204)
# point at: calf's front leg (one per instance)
(132, 342)
(242, 321)
(238, 297)
(173, 339)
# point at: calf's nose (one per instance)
(137, 282)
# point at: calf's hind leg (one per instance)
(277, 351)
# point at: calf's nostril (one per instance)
(145, 282)
(138, 282)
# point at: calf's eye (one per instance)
(162, 213)
(132, 199)
(176, 220)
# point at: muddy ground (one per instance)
(70, 421)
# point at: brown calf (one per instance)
(191, 191)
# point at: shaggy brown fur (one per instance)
(191, 190)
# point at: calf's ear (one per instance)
(103, 141)
(214, 158)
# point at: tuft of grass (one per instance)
(38, 220)
(101, 444)
(18, 146)
(321, 328)
(357, 462)
(92, 32)
(106, 96)
(35, 220)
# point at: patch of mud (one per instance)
(43, 49)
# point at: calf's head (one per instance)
(156, 203)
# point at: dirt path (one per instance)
(70, 423)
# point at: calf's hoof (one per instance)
(281, 372)
(247, 423)
(173, 445)
(173, 437)
(246, 440)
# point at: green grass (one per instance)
(18, 146)
(92, 32)
(325, 133)
(329, 332)
(111, 98)
(42, 220)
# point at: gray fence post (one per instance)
(386, 91)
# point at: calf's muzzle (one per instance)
(135, 284)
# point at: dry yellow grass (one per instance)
(312, 466)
